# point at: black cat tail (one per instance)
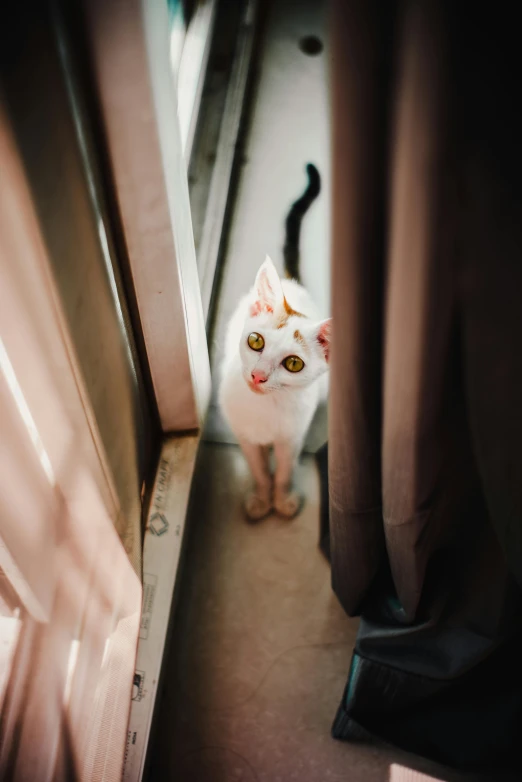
(294, 219)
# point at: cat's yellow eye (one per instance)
(293, 363)
(256, 341)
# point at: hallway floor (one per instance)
(261, 648)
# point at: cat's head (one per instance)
(280, 348)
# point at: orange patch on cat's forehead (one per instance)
(288, 313)
(299, 337)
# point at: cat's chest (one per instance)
(265, 419)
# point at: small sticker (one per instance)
(137, 685)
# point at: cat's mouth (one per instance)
(257, 389)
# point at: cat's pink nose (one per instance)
(259, 377)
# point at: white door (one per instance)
(103, 354)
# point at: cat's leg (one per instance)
(287, 502)
(258, 503)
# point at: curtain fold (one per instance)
(424, 465)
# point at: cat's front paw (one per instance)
(257, 507)
(288, 505)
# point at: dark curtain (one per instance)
(425, 461)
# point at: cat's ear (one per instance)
(269, 291)
(322, 337)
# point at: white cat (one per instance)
(273, 373)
